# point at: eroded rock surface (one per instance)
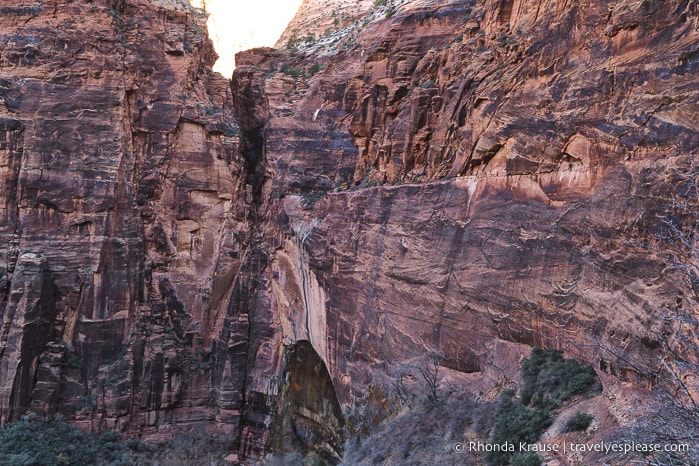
(122, 223)
(458, 174)
(469, 178)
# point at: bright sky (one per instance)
(236, 25)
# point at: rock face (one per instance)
(26, 330)
(461, 178)
(123, 223)
(462, 174)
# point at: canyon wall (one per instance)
(471, 178)
(124, 219)
(461, 177)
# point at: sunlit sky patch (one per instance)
(236, 25)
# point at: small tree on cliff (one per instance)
(425, 373)
(429, 372)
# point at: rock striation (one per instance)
(469, 178)
(123, 223)
(450, 176)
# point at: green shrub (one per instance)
(40, 443)
(526, 459)
(549, 379)
(290, 71)
(515, 423)
(293, 41)
(315, 68)
(309, 200)
(579, 421)
(73, 360)
(53, 443)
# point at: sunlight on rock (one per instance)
(236, 25)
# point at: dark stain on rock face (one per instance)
(309, 417)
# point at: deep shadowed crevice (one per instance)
(505, 11)
(253, 152)
(252, 112)
(243, 330)
(309, 418)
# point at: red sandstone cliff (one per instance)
(453, 176)
(472, 177)
(124, 219)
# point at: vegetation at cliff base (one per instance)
(423, 434)
(53, 443)
(40, 443)
(549, 380)
(423, 415)
(515, 423)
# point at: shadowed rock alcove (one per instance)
(309, 417)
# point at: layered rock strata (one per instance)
(466, 179)
(124, 219)
(451, 176)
